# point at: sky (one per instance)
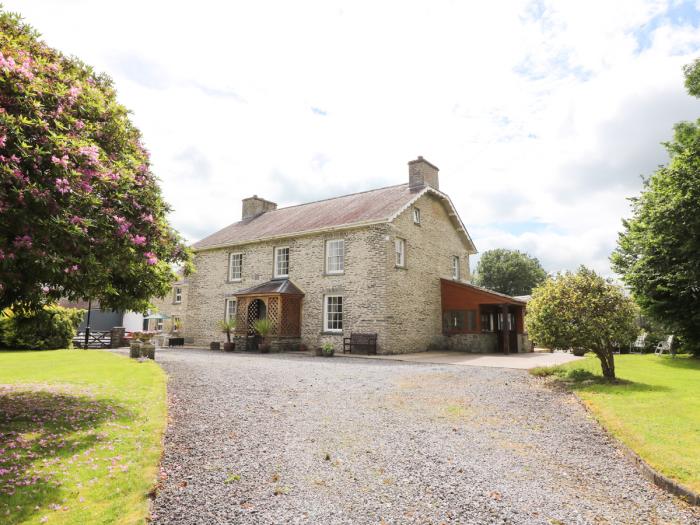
(543, 117)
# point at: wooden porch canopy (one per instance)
(467, 308)
(278, 300)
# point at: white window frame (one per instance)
(416, 215)
(335, 257)
(231, 277)
(227, 308)
(400, 252)
(455, 267)
(326, 327)
(173, 320)
(275, 260)
(159, 325)
(177, 294)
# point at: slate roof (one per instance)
(356, 209)
(280, 286)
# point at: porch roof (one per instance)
(475, 294)
(273, 287)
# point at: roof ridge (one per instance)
(337, 197)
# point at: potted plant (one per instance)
(135, 345)
(263, 327)
(327, 350)
(215, 345)
(148, 349)
(227, 327)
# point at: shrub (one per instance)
(48, 328)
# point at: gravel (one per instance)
(296, 439)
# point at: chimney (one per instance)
(422, 173)
(254, 206)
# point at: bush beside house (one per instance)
(48, 328)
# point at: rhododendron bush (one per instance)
(81, 213)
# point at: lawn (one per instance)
(80, 436)
(655, 410)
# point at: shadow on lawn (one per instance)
(41, 430)
(680, 361)
(619, 386)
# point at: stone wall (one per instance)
(413, 306)
(363, 284)
(486, 343)
(168, 306)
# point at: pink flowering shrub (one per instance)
(82, 213)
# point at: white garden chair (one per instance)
(665, 346)
(639, 344)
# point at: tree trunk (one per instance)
(607, 363)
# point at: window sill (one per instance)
(233, 281)
(331, 274)
(399, 267)
(326, 332)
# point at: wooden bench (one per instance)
(176, 341)
(360, 342)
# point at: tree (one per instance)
(511, 272)
(82, 213)
(658, 251)
(582, 311)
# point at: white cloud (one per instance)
(536, 112)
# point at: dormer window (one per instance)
(416, 215)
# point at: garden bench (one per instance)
(176, 341)
(360, 342)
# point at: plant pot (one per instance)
(148, 350)
(328, 353)
(229, 347)
(264, 348)
(135, 349)
(215, 346)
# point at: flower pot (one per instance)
(264, 347)
(148, 350)
(135, 349)
(215, 346)
(328, 353)
(229, 347)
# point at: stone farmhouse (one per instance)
(392, 261)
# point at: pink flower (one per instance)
(3, 139)
(76, 220)
(25, 241)
(139, 240)
(62, 185)
(79, 124)
(72, 269)
(91, 152)
(147, 218)
(63, 161)
(151, 258)
(45, 289)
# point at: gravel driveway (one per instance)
(297, 439)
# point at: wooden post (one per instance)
(505, 332)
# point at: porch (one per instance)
(278, 301)
(478, 320)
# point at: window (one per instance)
(333, 313)
(175, 323)
(459, 321)
(159, 325)
(281, 262)
(416, 215)
(400, 246)
(455, 268)
(235, 266)
(177, 295)
(335, 256)
(230, 313)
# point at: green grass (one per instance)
(654, 409)
(80, 436)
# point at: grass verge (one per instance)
(654, 408)
(80, 436)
